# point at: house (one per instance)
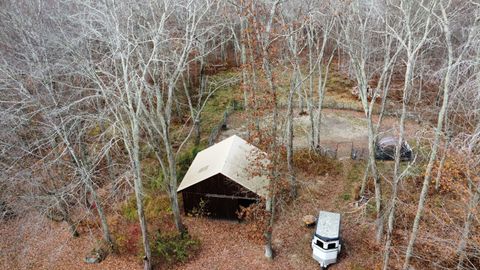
(224, 177)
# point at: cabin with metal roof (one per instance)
(224, 177)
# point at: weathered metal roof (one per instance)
(232, 157)
(328, 225)
(390, 141)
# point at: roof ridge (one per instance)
(233, 138)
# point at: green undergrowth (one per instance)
(216, 105)
(171, 248)
(354, 172)
(154, 207)
(338, 91)
(339, 84)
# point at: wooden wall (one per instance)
(222, 196)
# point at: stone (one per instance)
(309, 220)
(95, 256)
(93, 259)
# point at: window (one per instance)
(331, 246)
(320, 243)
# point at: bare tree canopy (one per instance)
(104, 105)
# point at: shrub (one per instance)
(315, 164)
(256, 217)
(173, 247)
(157, 207)
(129, 209)
(346, 196)
(201, 210)
(128, 238)
(99, 252)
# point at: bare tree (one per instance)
(452, 61)
(40, 71)
(358, 40)
(265, 41)
(411, 46)
(123, 97)
(322, 21)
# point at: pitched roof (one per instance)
(233, 157)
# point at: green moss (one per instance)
(95, 131)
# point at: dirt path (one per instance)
(336, 126)
(340, 129)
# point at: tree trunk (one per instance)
(291, 171)
(322, 84)
(66, 217)
(253, 87)
(172, 186)
(273, 151)
(243, 58)
(139, 194)
(103, 218)
(376, 179)
(202, 88)
(365, 178)
(83, 164)
(311, 69)
(268, 231)
(72, 226)
(397, 177)
(197, 131)
(273, 145)
(442, 164)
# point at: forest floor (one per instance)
(34, 242)
(226, 244)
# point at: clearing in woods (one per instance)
(225, 244)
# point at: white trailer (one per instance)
(326, 240)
